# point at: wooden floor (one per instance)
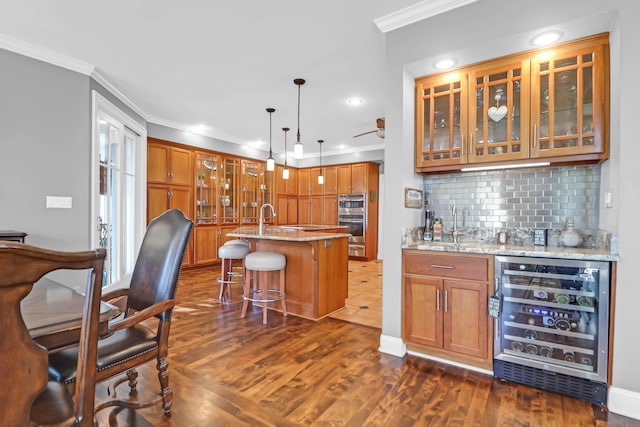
(227, 371)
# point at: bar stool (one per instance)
(263, 261)
(228, 253)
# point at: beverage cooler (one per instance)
(552, 325)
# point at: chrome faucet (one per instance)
(456, 233)
(273, 212)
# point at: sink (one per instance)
(447, 245)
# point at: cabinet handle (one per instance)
(446, 301)
(168, 194)
(437, 299)
(448, 267)
(535, 135)
(462, 145)
(470, 142)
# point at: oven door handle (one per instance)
(352, 221)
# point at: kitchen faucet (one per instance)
(456, 233)
(273, 211)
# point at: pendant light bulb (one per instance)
(271, 163)
(297, 147)
(285, 171)
(321, 176)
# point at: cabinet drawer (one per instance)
(454, 266)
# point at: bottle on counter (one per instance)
(437, 230)
(428, 225)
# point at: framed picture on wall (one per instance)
(413, 198)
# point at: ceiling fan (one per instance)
(379, 132)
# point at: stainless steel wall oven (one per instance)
(352, 213)
(552, 330)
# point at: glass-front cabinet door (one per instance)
(568, 100)
(250, 204)
(267, 184)
(206, 188)
(441, 122)
(229, 189)
(499, 112)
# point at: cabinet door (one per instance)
(570, 100)
(282, 210)
(316, 209)
(441, 120)
(205, 245)
(330, 180)
(499, 112)
(180, 171)
(249, 194)
(181, 198)
(465, 317)
(304, 210)
(292, 210)
(304, 185)
(229, 189)
(281, 183)
(316, 188)
(330, 210)
(157, 163)
(157, 200)
(422, 311)
(206, 195)
(344, 179)
(359, 178)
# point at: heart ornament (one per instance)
(497, 113)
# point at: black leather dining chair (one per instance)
(134, 340)
(27, 397)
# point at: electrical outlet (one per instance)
(59, 202)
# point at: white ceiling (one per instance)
(221, 63)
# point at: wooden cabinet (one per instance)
(206, 188)
(330, 210)
(287, 210)
(549, 104)
(445, 306)
(353, 178)
(250, 194)
(304, 182)
(287, 187)
(205, 247)
(316, 188)
(229, 191)
(167, 164)
(161, 197)
(330, 180)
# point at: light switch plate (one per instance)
(59, 202)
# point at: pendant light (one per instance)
(321, 176)
(271, 163)
(285, 171)
(297, 147)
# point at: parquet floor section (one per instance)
(227, 371)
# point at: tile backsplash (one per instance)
(518, 198)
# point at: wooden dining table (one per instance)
(52, 313)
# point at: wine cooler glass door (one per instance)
(554, 315)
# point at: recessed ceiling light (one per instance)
(355, 101)
(546, 38)
(444, 64)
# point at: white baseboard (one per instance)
(624, 402)
(392, 345)
(451, 362)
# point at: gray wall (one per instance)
(45, 127)
(487, 29)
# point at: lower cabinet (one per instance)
(445, 306)
(208, 239)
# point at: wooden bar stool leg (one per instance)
(284, 302)
(246, 293)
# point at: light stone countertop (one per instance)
(513, 250)
(294, 233)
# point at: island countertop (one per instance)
(296, 233)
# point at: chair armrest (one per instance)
(117, 293)
(142, 315)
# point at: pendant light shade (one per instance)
(285, 171)
(321, 176)
(271, 163)
(297, 147)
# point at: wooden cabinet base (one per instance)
(450, 356)
(316, 275)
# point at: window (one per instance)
(118, 190)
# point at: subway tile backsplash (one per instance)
(518, 198)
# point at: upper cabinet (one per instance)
(206, 188)
(549, 104)
(287, 187)
(168, 164)
(229, 190)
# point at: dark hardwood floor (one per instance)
(227, 371)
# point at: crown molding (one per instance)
(98, 77)
(45, 55)
(418, 12)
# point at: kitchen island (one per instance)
(316, 275)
